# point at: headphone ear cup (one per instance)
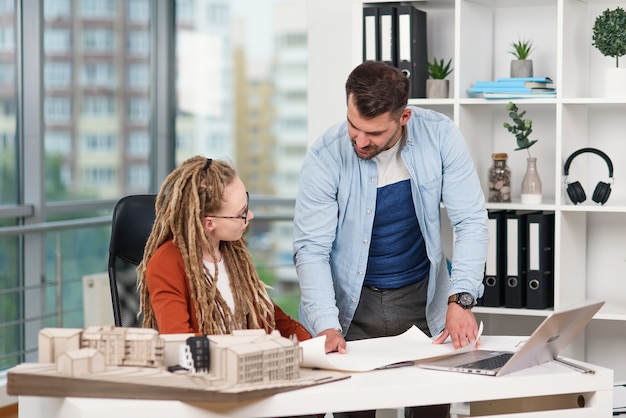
(601, 193)
(576, 192)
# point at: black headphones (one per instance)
(576, 192)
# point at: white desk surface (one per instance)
(557, 385)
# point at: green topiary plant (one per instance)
(522, 128)
(438, 70)
(609, 33)
(521, 49)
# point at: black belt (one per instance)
(382, 289)
(378, 289)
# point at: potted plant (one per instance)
(521, 129)
(436, 86)
(609, 37)
(521, 66)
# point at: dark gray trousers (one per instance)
(386, 313)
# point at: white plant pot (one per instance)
(615, 82)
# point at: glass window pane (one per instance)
(244, 99)
(10, 336)
(97, 96)
(97, 8)
(10, 291)
(57, 74)
(57, 9)
(138, 10)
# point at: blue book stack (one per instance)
(513, 88)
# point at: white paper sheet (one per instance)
(374, 353)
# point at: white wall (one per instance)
(330, 61)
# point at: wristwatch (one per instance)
(466, 300)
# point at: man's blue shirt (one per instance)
(334, 218)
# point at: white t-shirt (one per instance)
(390, 166)
(223, 282)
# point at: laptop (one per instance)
(544, 345)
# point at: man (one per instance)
(367, 228)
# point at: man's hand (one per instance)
(334, 341)
(461, 327)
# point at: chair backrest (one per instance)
(133, 217)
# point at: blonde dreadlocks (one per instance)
(189, 193)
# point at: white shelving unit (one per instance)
(590, 239)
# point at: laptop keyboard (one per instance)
(490, 363)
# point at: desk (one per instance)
(548, 390)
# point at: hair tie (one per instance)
(208, 163)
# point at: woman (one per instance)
(197, 275)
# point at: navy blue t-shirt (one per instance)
(397, 255)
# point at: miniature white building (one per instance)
(245, 357)
(125, 346)
(252, 356)
(55, 341)
(184, 358)
(83, 361)
(120, 346)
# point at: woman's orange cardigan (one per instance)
(170, 297)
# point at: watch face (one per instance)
(466, 299)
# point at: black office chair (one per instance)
(133, 217)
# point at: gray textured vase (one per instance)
(437, 89)
(521, 68)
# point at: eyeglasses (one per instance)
(245, 211)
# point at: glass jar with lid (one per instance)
(499, 179)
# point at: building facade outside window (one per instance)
(243, 99)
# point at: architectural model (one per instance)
(77, 351)
(243, 357)
(136, 363)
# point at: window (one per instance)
(292, 39)
(11, 287)
(57, 74)
(99, 176)
(7, 142)
(138, 10)
(81, 67)
(58, 142)
(184, 11)
(138, 144)
(138, 76)
(7, 6)
(97, 59)
(260, 69)
(102, 143)
(98, 40)
(99, 68)
(56, 9)
(138, 176)
(217, 13)
(9, 107)
(97, 8)
(98, 75)
(138, 110)
(98, 106)
(7, 73)
(57, 40)
(138, 42)
(57, 109)
(7, 38)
